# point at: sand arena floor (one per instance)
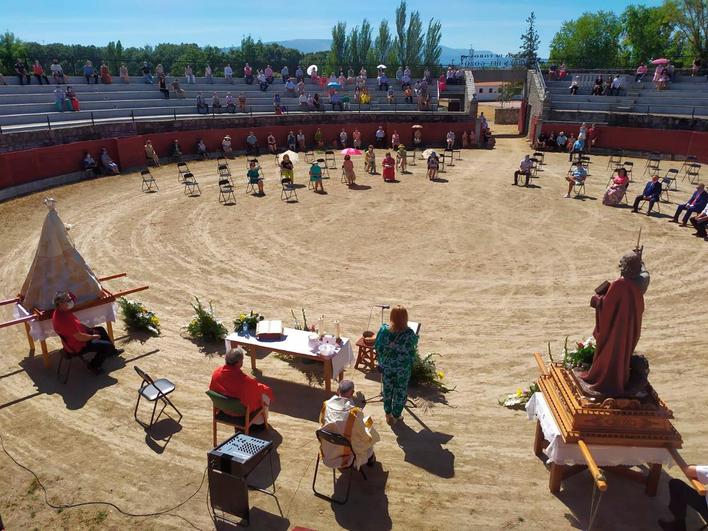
(492, 271)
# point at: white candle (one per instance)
(320, 326)
(337, 330)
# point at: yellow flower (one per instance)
(440, 375)
(519, 392)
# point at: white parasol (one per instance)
(311, 69)
(428, 152)
(381, 66)
(294, 157)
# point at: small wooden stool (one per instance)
(366, 356)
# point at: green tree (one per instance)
(691, 18)
(530, 41)
(11, 49)
(591, 41)
(431, 48)
(337, 56)
(351, 51)
(365, 41)
(383, 43)
(647, 32)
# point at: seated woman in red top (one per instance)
(229, 380)
(389, 168)
(78, 338)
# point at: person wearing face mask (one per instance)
(78, 338)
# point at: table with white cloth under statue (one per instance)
(567, 458)
(41, 328)
(299, 343)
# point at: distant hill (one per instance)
(449, 55)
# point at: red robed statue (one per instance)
(619, 306)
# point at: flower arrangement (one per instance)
(249, 319)
(137, 317)
(519, 399)
(425, 372)
(204, 325)
(301, 326)
(580, 357)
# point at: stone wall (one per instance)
(509, 115)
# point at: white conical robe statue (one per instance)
(57, 266)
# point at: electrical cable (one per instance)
(166, 512)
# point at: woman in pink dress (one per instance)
(616, 190)
(389, 168)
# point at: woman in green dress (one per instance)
(395, 346)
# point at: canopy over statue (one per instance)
(57, 266)
(619, 306)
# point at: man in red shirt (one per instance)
(76, 337)
(230, 380)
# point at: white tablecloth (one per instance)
(297, 342)
(94, 316)
(605, 455)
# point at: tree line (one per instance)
(677, 30)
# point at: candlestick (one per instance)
(337, 329)
(320, 326)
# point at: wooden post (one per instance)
(597, 474)
(540, 363)
(653, 479)
(538, 440)
(328, 375)
(45, 353)
(29, 338)
(109, 329)
(252, 352)
(556, 477)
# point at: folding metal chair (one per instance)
(69, 357)
(693, 172)
(579, 187)
(182, 168)
(540, 156)
(221, 160)
(347, 455)
(226, 192)
(449, 155)
(690, 159)
(441, 163)
(652, 166)
(534, 167)
(657, 205)
(629, 166)
(329, 157)
(322, 163)
(149, 182)
(615, 160)
(665, 185)
(671, 178)
(343, 178)
(458, 152)
(410, 157)
(585, 161)
(154, 391)
(225, 173)
(309, 157)
(191, 185)
(288, 191)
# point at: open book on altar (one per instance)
(269, 330)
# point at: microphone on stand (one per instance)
(382, 306)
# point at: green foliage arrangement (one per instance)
(204, 325)
(519, 399)
(137, 317)
(581, 356)
(251, 319)
(426, 373)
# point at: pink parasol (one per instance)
(660, 61)
(350, 151)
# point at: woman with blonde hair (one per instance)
(396, 346)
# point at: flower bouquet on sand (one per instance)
(204, 324)
(137, 317)
(425, 372)
(249, 319)
(518, 399)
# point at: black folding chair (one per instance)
(337, 440)
(226, 192)
(191, 186)
(288, 190)
(154, 391)
(149, 183)
(329, 158)
(182, 169)
(69, 357)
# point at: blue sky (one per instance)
(494, 25)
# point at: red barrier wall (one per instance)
(681, 143)
(18, 167)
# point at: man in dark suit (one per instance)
(683, 496)
(695, 204)
(651, 193)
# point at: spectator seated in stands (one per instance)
(208, 75)
(641, 72)
(71, 99)
(189, 76)
(300, 88)
(552, 141)
(390, 98)
(561, 141)
(57, 72)
(365, 98)
(694, 205)
(615, 86)
(663, 82)
(300, 74)
(262, 81)
(540, 143)
(302, 102)
(651, 193)
(576, 175)
(215, 103)
(597, 87)
(229, 74)
(248, 74)
(252, 144)
(60, 99)
(179, 91)
(151, 155)
(230, 104)
(162, 86)
(284, 74)
(230, 380)
(176, 151)
(89, 165)
(21, 72)
(202, 152)
(90, 73)
(290, 87)
(254, 177)
(268, 73)
(383, 81)
(105, 74)
(562, 71)
(107, 163)
(272, 146)
(316, 103)
(616, 189)
(123, 71)
(524, 169)
(242, 102)
(38, 72)
(574, 85)
(336, 100)
(292, 141)
(147, 75)
(226, 147)
(202, 107)
(699, 222)
(160, 71)
(279, 110)
(370, 161)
